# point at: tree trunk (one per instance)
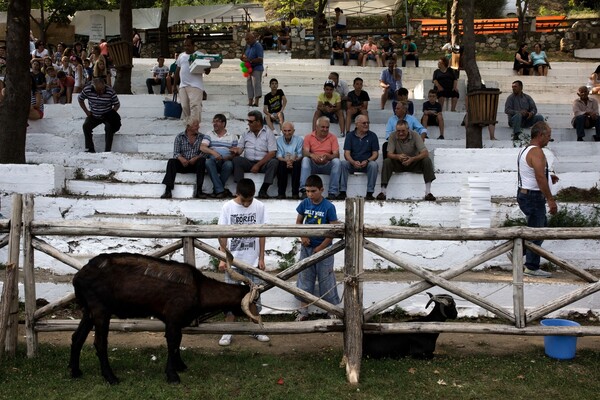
(164, 29)
(449, 19)
(455, 32)
(15, 107)
(473, 132)
(522, 7)
(123, 80)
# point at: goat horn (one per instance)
(249, 298)
(232, 273)
(431, 299)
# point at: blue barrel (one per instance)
(560, 347)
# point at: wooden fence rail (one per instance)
(355, 239)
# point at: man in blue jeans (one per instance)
(219, 145)
(521, 110)
(534, 190)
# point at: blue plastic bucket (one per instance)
(560, 347)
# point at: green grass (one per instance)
(244, 375)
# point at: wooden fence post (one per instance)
(29, 277)
(12, 325)
(189, 252)
(5, 305)
(353, 296)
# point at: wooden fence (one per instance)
(354, 237)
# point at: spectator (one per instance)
(52, 90)
(40, 52)
(446, 83)
(65, 66)
(361, 150)
(103, 106)
(370, 52)
(171, 77)
(36, 107)
(39, 78)
(340, 19)
(585, 114)
(220, 146)
(400, 114)
(595, 81)
(321, 153)
(244, 210)
(66, 86)
(521, 110)
(267, 39)
(329, 104)
(79, 50)
(259, 148)
(253, 53)
(539, 60)
(96, 53)
(387, 50)
(390, 81)
(316, 210)
(522, 63)
(402, 95)
(191, 86)
(275, 102)
(284, 40)
(341, 87)
(407, 153)
(160, 72)
(78, 74)
(56, 57)
(432, 113)
(88, 71)
(101, 70)
(46, 64)
(353, 48)
(534, 191)
(358, 103)
(187, 158)
(409, 52)
(137, 44)
(289, 154)
(338, 51)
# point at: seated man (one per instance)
(409, 52)
(289, 154)
(103, 106)
(521, 110)
(407, 153)
(390, 81)
(361, 150)
(259, 147)
(387, 50)
(160, 72)
(321, 153)
(432, 113)
(284, 41)
(220, 146)
(402, 96)
(400, 114)
(338, 52)
(329, 104)
(275, 102)
(267, 39)
(358, 103)
(585, 114)
(187, 158)
(370, 52)
(353, 48)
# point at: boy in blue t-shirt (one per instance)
(316, 209)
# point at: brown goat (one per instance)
(138, 286)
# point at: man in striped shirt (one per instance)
(103, 105)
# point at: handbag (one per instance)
(172, 108)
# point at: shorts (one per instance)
(447, 94)
(332, 117)
(432, 120)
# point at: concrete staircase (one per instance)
(125, 185)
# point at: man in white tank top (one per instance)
(534, 190)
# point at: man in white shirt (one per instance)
(159, 76)
(191, 86)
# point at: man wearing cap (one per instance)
(329, 104)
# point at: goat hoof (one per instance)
(173, 379)
(76, 373)
(112, 380)
(181, 367)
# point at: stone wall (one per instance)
(582, 35)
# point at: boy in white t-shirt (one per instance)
(244, 209)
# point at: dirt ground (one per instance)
(455, 344)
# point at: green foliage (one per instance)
(565, 218)
(401, 221)
(285, 260)
(577, 195)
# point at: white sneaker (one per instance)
(261, 338)
(537, 272)
(225, 340)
